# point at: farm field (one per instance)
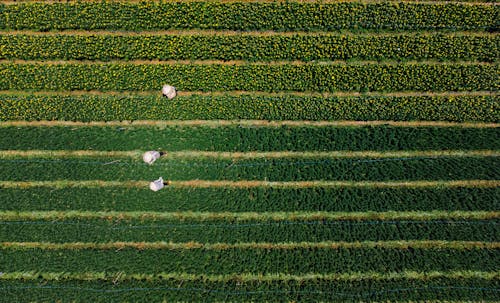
(316, 151)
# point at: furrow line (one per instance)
(253, 184)
(240, 62)
(194, 154)
(249, 93)
(402, 245)
(250, 216)
(181, 276)
(250, 123)
(251, 33)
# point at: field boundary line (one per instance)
(252, 184)
(194, 154)
(390, 62)
(250, 123)
(239, 93)
(429, 2)
(182, 276)
(250, 33)
(402, 245)
(250, 216)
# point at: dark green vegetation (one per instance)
(235, 291)
(88, 234)
(247, 231)
(251, 47)
(257, 199)
(278, 16)
(406, 169)
(247, 138)
(250, 260)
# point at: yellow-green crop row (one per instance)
(484, 108)
(303, 47)
(279, 16)
(250, 77)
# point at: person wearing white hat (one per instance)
(169, 91)
(151, 156)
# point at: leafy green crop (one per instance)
(484, 108)
(245, 231)
(247, 260)
(250, 77)
(424, 168)
(250, 199)
(303, 47)
(200, 290)
(247, 138)
(280, 16)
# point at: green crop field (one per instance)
(316, 151)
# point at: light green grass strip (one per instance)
(250, 216)
(237, 93)
(349, 276)
(193, 154)
(250, 123)
(225, 32)
(403, 245)
(253, 184)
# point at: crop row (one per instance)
(249, 260)
(246, 231)
(250, 77)
(249, 47)
(484, 108)
(407, 169)
(234, 291)
(237, 137)
(280, 16)
(257, 199)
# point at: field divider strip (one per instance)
(278, 277)
(240, 93)
(250, 33)
(252, 184)
(194, 154)
(402, 245)
(239, 62)
(463, 2)
(249, 123)
(250, 216)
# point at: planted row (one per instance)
(81, 230)
(259, 199)
(249, 260)
(412, 168)
(249, 47)
(484, 108)
(280, 16)
(250, 77)
(236, 137)
(201, 290)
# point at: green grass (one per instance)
(248, 138)
(480, 108)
